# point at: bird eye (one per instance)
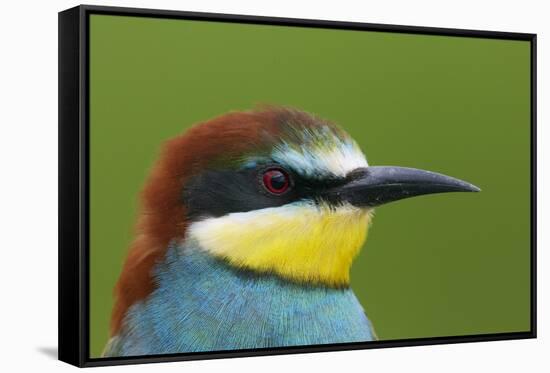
(276, 181)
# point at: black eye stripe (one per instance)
(219, 192)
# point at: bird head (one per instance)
(275, 191)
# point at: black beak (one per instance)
(377, 185)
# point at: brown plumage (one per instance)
(162, 218)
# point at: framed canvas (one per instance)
(236, 186)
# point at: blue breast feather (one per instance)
(202, 304)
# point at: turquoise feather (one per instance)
(203, 304)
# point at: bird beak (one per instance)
(378, 185)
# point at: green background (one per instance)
(439, 265)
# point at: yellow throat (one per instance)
(303, 242)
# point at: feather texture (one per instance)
(203, 304)
(302, 241)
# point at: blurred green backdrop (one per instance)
(439, 265)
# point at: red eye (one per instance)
(276, 181)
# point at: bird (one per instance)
(248, 227)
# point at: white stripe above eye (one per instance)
(335, 158)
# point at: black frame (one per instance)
(74, 189)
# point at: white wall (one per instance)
(28, 184)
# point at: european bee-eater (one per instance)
(249, 225)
